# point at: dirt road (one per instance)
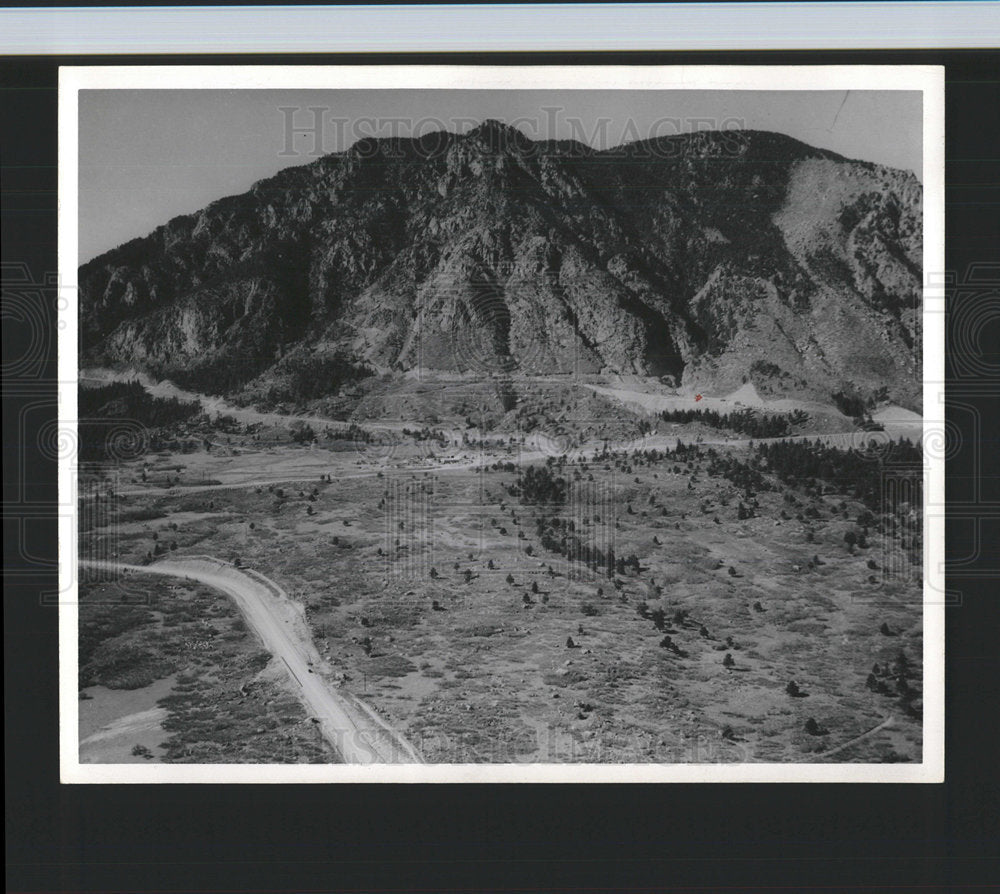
(898, 423)
(536, 447)
(218, 406)
(350, 726)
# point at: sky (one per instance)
(146, 156)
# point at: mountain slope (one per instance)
(710, 258)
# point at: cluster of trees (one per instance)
(124, 401)
(850, 403)
(559, 536)
(811, 463)
(302, 379)
(686, 459)
(506, 394)
(539, 485)
(302, 432)
(219, 376)
(355, 433)
(745, 475)
(121, 400)
(896, 678)
(425, 434)
(556, 537)
(748, 422)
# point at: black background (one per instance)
(525, 838)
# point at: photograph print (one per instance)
(474, 424)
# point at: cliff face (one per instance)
(708, 258)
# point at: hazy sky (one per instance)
(148, 155)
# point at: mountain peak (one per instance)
(498, 134)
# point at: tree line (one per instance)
(124, 401)
(748, 422)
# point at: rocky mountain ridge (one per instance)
(708, 259)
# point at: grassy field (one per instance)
(736, 623)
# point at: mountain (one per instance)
(712, 258)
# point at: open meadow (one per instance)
(514, 600)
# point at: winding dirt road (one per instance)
(357, 733)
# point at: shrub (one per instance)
(302, 432)
(813, 728)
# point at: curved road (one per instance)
(358, 734)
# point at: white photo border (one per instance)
(927, 79)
